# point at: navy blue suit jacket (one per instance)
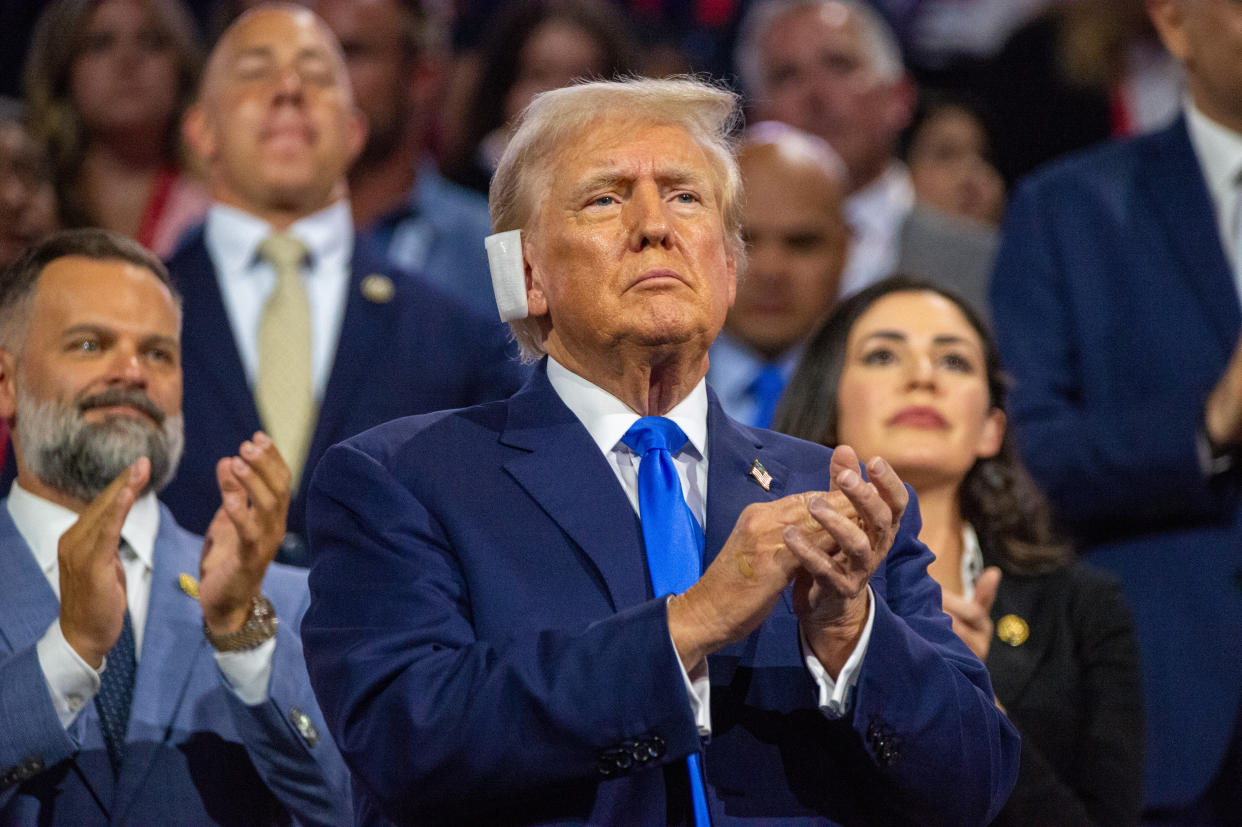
(484, 641)
(417, 352)
(1116, 313)
(195, 754)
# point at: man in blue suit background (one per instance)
(484, 633)
(345, 342)
(1116, 306)
(130, 693)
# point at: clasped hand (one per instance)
(827, 543)
(240, 543)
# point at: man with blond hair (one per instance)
(602, 601)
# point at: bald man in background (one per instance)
(326, 341)
(797, 242)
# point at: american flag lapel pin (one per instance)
(761, 475)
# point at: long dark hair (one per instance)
(997, 496)
(499, 68)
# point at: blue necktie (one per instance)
(116, 693)
(766, 390)
(671, 534)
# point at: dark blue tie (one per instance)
(116, 693)
(671, 534)
(766, 390)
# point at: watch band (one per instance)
(260, 626)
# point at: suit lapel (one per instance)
(732, 450)
(1184, 207)
(567, 475)
(366, 326)
(27, 603)
(205, 345)
(172, 643)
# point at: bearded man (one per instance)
(130, 690)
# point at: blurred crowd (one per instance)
(915, 179)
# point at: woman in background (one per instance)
(907, 371)
(949, 153)
(531, 47)
(106, 84)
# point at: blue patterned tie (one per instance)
(116, 693)
(671, 534)
(766, 390)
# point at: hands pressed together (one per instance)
(826, 543)
(241, 541)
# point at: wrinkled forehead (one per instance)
(619, 147)
(106, 293)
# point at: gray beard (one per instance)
(81, 459)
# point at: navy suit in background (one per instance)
(483, 639)
(414, 351)
(1116, 314)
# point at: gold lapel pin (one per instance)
(378, 289)
(761, 475)
(1013, 630)
(188, 585)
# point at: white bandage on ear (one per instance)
(504, 258)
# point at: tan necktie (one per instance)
(283, 390)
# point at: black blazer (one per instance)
(1072, 687)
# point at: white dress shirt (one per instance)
(606, 419)
(232, 238)
(876, 214)
(71, 681)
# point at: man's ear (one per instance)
(1167, 18)
(536, 299)
(8, 385)
(197, 132)
(358, 129)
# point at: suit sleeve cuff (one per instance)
(71, 681)
(835, 695)
(248, 673)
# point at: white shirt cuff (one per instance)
(248, 673)
(71, 681)
(835, 695)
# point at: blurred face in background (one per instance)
(914, 390)
(796, 240)
(276, 121)
(124, 78)
(555, 54)
(818, 76)
(27, 198)
(950, 168)
(392, 83)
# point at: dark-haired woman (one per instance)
(908, 372)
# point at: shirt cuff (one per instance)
(248, 673)
(1212, 462)
(71, 681)
(835, 695)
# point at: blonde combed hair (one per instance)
(708, 113)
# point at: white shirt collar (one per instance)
(607, 418)
(972, 560)
(41, 522)
(233, 235)
(1219, 150)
